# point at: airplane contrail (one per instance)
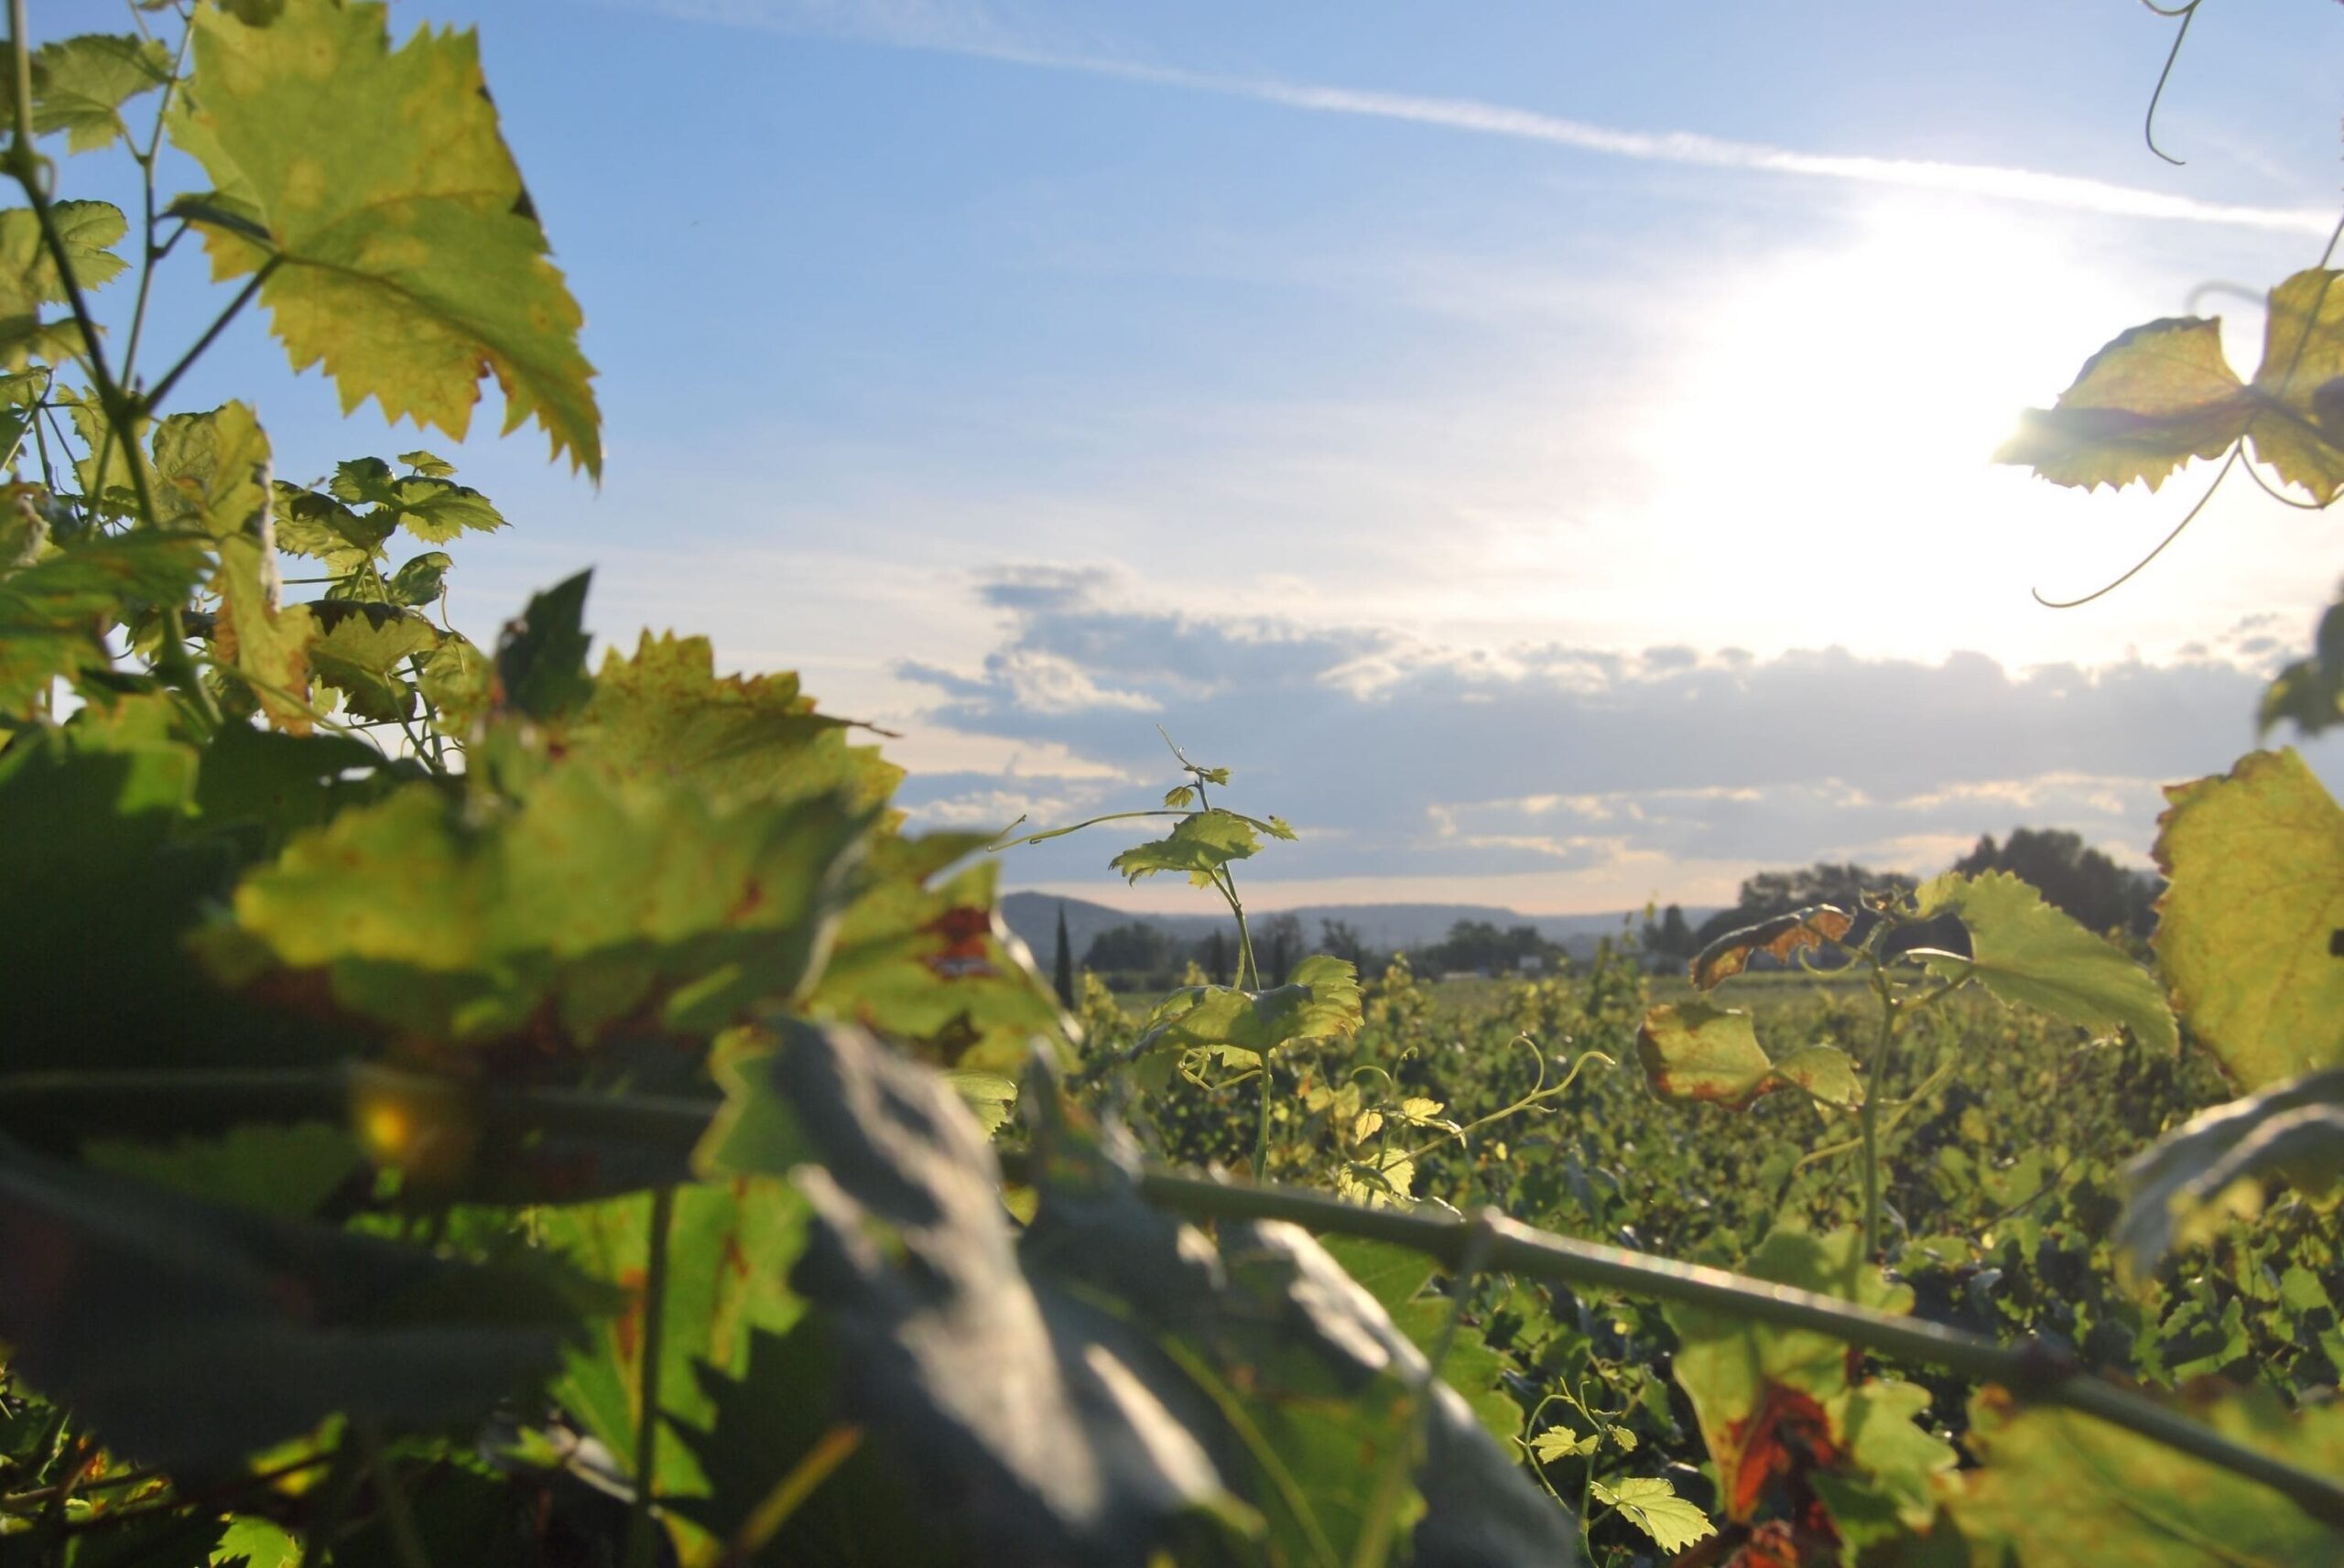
(913, 29)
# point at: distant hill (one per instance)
(1034, 917)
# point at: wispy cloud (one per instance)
(944, 27)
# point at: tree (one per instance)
(1277, 943)
(1133, 948)
(1217, 959)
(1672, 937)
(2082, 881)
(1062, 966)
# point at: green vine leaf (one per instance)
(80, 85)
(2246, 934)
(1321, 1002)
(373, 184)
(29, 278)
(2162, 393)
(429, 505)
(2309, 693)
(592, 899)
(1652, 1505)
(1200, 844)
(360, 650)
(54, 614)
(1691, 1051)
(2031, 953)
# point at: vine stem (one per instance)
(122, 421)
(642, 1524)
(88, 1102)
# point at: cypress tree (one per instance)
(1064, 968)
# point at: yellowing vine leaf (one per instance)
(1691, 1051)
(374, 185)
(2247, 932)
(1780, 937)
(2030, 954)
(1199, 844)
(2162, 393)
(2061, 1490)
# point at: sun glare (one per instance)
(1823, 457)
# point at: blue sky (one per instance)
(1541, 448)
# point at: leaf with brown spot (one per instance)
(1781, 936)
(1691, 1051)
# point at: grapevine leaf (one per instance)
(421, 579)
(80, 85)
(2298, 428)
(29, 280)
(2156, 396)
(665, 711)
(1106, 1387)
(323, 529)
(1321, 1001)
(1398, 1280)
(925, 959)
(1652, 1505)
(401, 247)
(211, 471)
(1561, 1443)
(589, 898)
(431, 506)
(1200, 844)
(745, 1234)
(289, 1170)
(2211, 1168)
(190, 1332)
(1691, 1051)
(2309, 693)
(359, 650)
(776, 1420)
(1780, 1407)
(2247, 928)
(2122, 1499)
(54, 614)
(268, 646)
(541, 658)
(1781, 936)
(2032, 954)
(456, 680)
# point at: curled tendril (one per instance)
(2134, 570)
(2188, 14)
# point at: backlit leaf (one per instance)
(1652, 1505)
(2247, 934)
(1321, 1001)
(361, 650)
(1781, 936)
(54, 614)
(80, 85)
(2299, 425)
(1780, 1408)
(1199, 844)
(2031, 953)
(541, 658)
(29, 280)
(2153, 398)
(594, 897)
(407, 257)
(2061, 1490)
(1691, 1051)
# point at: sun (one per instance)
(1823, 456)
